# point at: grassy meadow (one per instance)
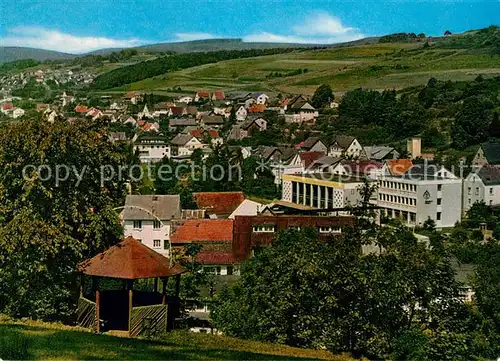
(36, 341)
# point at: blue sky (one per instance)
(86, 25)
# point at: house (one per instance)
(261, 98)
(246, 208)
(152, 148)
(161, 108)
(133, 97)
(248, 128)
(17, 113)
(81, 109)
(41, 107)
(241, 113)
(185, 99)
(215, 121)
(148, 218)
(177, 111)
(257, 108)
(345, 146)
(181, 123)
(397, 166)
(482, 185)
(94, 113)
(313, 144)
(67, 98)
(127, 119)
(7, 108)
(145, 113)
(118, 137)
(184, 144)
(210, 134)
(256, 231)
(488, 153)
(218, 95)
(380, 153)
(151, 127)
(218, 204)
(203, 95)
(215, 237)
(300, 110)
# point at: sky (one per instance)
(79, 26)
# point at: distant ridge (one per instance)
(18, 53)
(12, 53)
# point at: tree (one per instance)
(303, 291)
(49, 224)
(322, 96)
(495, 126)
(472, 122)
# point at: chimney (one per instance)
(414, 147)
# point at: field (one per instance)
(375, 66)
(34, 340)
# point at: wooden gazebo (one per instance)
(125, 309)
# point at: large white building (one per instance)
(148, 218)
(422, 193)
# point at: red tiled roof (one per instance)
(129, 259)
(219, 95)
(203, 94)
(215, 258)
(203, 230)
(219, 202)
(177, 110)
(7, 106)
(141, 123)
(309, 158)
(399, 166)
(81, 109)
(198, 133)
(41, 107)
(257, 108)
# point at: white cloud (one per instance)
(193, 36)
(41, 38)
(317, 28)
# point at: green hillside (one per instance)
(13, 53)
(378, 65)
(35, 341)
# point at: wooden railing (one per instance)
(148, 320)
(86, 313)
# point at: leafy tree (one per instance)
(472, 122)
(302, 291)
(494, 130)
(322, 96)
(48, 226)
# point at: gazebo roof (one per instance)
(129, 259)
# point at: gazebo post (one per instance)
(177, 285)
(95, 285)
(130, 288)
(164, 290)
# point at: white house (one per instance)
(148, 218)
(17, 113)
(185, 99)
(345, 146)
(482, 185)
(241, 113)
(261, 98)
(152, 149)
(185, 144)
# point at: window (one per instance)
(166, 244)
(469, 190)
(138, 224)
(491, 202)
(157, 243)
(469, 201)
(477, 191)
(440, 187)
(263, 228)
(439, 201)
(438, 216)
(329, 229)
(229, 270)
(217, 270)
(156, 224)
(491, 191)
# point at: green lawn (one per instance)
(34, 340)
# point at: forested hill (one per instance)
(162, 65)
